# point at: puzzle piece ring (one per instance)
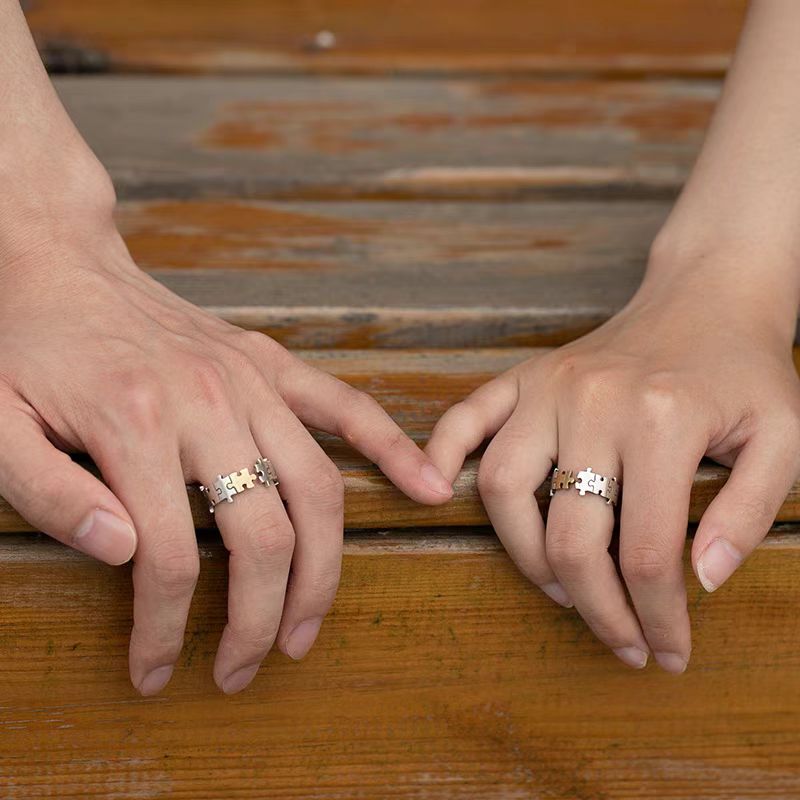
(225, 487)
(586, 481)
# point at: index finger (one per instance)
(326, 403)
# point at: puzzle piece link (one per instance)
(223, 489)
(241, 480)
(266, 472)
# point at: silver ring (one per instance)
(226, 487)
(586, 481)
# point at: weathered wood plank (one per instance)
(608, 37)
(439, 673)
(399, 274)
(340, 137)
(416, 387)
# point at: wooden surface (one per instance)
(416, 388)
(468, 174)
(382, 137)
(439, 674)
(398, 274)
(607, 36)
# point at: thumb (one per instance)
(740, 516)
(56, 495)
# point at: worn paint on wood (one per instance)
(416, 388)
(398, 274)
(608, 37)
(377, 137)
(439, 673)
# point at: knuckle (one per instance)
(175, 568)
(157, 644)
(319, 593)
(645, 563)
(594, 388)
(610, 627)
(755, 508)
(660, 632)
(209, 383)
(498, 479)
(255, 639)
(359, 407)
(267, 539)
(139, 399)
(567, 551)
(660, 399)
(326, 488)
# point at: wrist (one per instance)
(752, 287)
(51, 194)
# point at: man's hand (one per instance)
(96, 356)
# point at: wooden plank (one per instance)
(416, 388)
(371, 137)
(622, 37)
(440, 673)
(398, 274)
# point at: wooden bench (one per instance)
(414, 195)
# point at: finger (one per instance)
(465, 425)
(578, 533)
(144, 470)
(516, 462)
(314, 492)
(257, 533)
(56, 495)
(740, 516)
(659, 471)
(326, 403)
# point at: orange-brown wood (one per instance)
(416, 387)
(607, 36)
(440, 673)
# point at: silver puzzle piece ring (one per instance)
(226, 487)
(586, 482)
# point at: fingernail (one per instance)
(236, 681)
(555, 591)
(302, 637)
(717, 564)
(106, 537)
(632, 656)
(156, 680)
(671, 662)
(434, 479)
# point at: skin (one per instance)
(98, 357)
(697, 364)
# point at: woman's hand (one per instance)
(98, 357)
(695, 366)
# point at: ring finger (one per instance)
(578, 534)
(259, 537)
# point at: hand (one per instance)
(98, 357)
(682, 372)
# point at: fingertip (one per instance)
(717, 562)
(433, 478)
(106, 537)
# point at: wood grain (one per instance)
(398, 274)
(416, 388)
(376, 137)
(440, 673)
(622, 37)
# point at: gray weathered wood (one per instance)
(399, 274)
(397, 138)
